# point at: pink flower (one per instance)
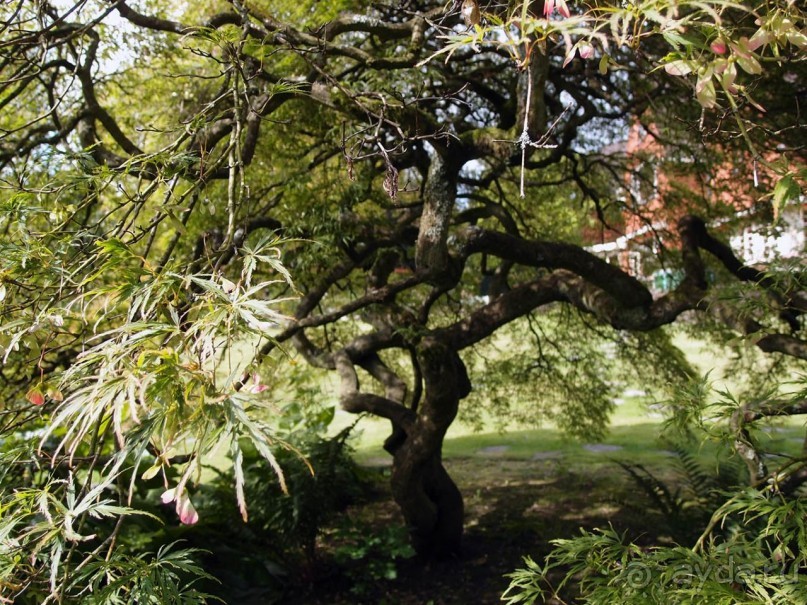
(729, 75)
(257, 387)
(169, 495)
(718, 47)
(760, 38)
(184, 507)
(187, 514)
(35, 397)
(584, 49)
(549, 7)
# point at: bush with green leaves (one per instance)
(370, 557)
(685, 508)
(752, 546)
(152, 392)
(321, 480)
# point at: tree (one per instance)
(430, 178)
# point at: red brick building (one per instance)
(661, 185)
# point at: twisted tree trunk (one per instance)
(429, 499)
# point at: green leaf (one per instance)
(674, 39)
(603, 66)
(705, 92)
(786, 189)
(151, 472)
(749, 63)
(176, 222)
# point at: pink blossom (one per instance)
(257, 387)
(718, 47)
(729, 75)
(184, 507)
(549, 7)
(584, 49)
(187, 513)
(678, 68)
(760, 38)
(35, 397)
(168, 495)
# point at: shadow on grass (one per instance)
(514, 506)
(522, 489)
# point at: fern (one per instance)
(687, 507)
(669, 503)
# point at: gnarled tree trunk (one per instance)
(429, 499)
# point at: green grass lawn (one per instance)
(632, 437)
(633, 426)
(634, 434)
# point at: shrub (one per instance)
(752, 549)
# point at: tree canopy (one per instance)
(189, 188)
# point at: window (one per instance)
(644, 183)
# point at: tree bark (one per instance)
(429, 499)
(431, 252)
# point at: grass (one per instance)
(522, 487)
(633, 438)
(633, 441)
(462, 439)
(635, 427)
